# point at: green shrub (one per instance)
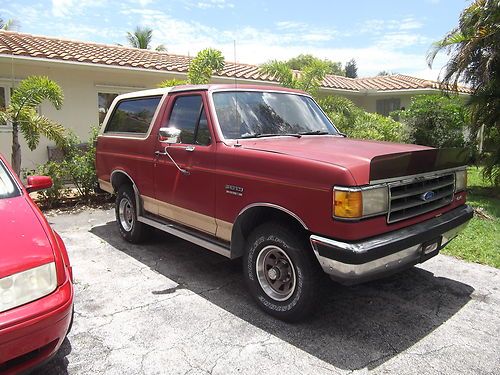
(77, 168)
(437, 120)
(357, 123)
(380, 128)
(80, 165)
(50, 197)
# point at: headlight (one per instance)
(352, 203)
(27, 286)
(460, 180)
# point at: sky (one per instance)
(381, 35)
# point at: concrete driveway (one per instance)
(169, 307)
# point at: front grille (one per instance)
(407, 199)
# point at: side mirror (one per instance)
(36, 183)
(169, 135)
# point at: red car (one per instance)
(36, 282)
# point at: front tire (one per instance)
(126, 215)
(281, 272)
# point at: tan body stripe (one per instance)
(204, 223)
(106, 186)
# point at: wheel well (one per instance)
(119, 178)
(255, 216)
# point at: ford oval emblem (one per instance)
(427, 196)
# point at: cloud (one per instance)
(378, 26)
(67, 8)
(144, 3)
(287, 25)
(207, 4)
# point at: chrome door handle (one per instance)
(160, 153)
(190, 148)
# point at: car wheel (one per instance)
(126, 215)
(281, 272)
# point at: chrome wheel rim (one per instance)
(126, 214)
(276, 273)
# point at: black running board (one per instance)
(192, 236)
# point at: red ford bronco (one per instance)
(261, 173)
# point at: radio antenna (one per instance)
(236, 117)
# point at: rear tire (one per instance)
(126, 215)
(281, 272)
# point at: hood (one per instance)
(353, 154)
(24, 242)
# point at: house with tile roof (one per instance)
(92, 75)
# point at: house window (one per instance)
(386, 106)
(104, 103)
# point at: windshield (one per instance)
(7, 187)
(247, 114)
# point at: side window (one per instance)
(188, 115)
(133, 115)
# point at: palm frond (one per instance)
(312, 75)
(32, 91)
(140, 37)
(171, 83)
(205, 63)
(32, 126)
(280, 71)
(10, 24)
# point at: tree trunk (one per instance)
(16, 150)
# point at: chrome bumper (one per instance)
(357, 262)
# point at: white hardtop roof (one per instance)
(142, 93)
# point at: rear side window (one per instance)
(133, 115)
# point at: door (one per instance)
(186, 193)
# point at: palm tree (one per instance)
(9, 24)
(161, 48)
(22, 114)
(474, 49)
(308, 79)
(201, 68)
(140, 38)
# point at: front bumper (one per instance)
(32, 333)
(357, 262)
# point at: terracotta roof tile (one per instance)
(27, 45)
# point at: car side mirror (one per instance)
(36, 183)
(169, 135)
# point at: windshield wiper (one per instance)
(315, 132)
(260, 135)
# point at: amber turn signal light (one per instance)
(348, 204)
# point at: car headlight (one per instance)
(27, 286)
(460, 180)
(355, 203)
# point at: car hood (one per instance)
(353, 154)
(25, 243)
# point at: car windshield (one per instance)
(249, 114)
(8, 188)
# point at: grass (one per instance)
(480, 241)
